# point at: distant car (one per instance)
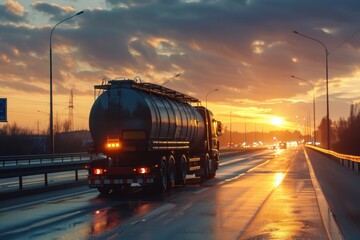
(282, 145)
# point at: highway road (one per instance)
(263, 195)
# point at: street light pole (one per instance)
(215, 90)
(327, 85)
(312, 85)
(52, 145)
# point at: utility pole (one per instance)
(71, 113)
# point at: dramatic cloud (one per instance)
(57, 12)
(247, 49)
(12, 11)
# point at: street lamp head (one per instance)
(296, 32)
(81, 12)
(210, 93)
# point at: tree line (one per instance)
(346, 132)
(345, 137)
(16, 140)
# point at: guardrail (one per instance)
(350, 161)
(42, 159)
(27, 165)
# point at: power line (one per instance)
(34, 101)
(345, 41)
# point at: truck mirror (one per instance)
(219, 128)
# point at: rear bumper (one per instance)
(96, 182)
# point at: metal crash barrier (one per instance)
(28, 165)
(350, 161)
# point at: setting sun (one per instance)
(277, 121)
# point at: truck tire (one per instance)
(206, 166)
(181, 170)
(214, 166)
(209, 168)
(171, 171)
(217, 160)
(212, 175)
(161, 177)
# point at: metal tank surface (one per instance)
(144, 113)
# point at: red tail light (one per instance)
(142, 170)
(99, 171)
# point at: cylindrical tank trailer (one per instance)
(150, 136)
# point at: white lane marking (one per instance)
(232, 161)
(240, 175)
(234, 178)
(252, 169)
(241, 159)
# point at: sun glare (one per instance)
(277, 121)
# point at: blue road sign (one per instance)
(3, 110)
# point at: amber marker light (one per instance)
(113, 144)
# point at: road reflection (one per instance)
(290, 211)
(278, 178)
(108, 219)
(132, 204)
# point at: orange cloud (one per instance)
(15, 8)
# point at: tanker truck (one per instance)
(149, 136)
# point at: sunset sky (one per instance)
(245, 48)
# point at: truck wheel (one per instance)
(212, 175)
(161, 177)
(171, 172)
(181, 171)
(209, 169)
(214, 167)
(206, 165)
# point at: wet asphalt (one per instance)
(262, 195)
